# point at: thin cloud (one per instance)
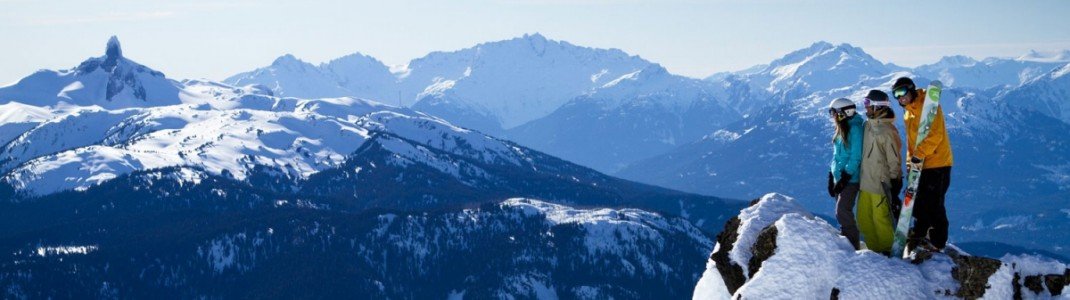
(104, 18)
(923, 54)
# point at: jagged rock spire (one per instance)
(114, 50)
(113, 53)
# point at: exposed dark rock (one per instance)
(921, 256)
(835, 294)
(755, 201)
(763, 248)
(1037, 283)
(1017, 286)
(731, 273)
(112, 54)
(972, 273)
(1056, 283)
(1034, 283)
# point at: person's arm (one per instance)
(937, 134)
(892, 154)
(854, 159)
(834, 166)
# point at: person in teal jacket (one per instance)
(843, 183)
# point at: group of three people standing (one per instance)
(866, 167)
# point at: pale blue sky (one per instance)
(215, 39)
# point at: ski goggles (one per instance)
(869, 102)
(842, 113)
(900, 92)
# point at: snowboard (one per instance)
(928, 114)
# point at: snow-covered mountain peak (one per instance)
(653, 70)
(956, 61)
(536, 40)
(819, 49)
(816, 47)
(650, 72)
(820, 66)
(355, 60)
(1046, 56)
(289, 60)
(530, 44)
(1060, 72)
(354, 75)
(108, 81)
(511, 82)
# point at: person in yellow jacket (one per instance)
(881, 173)
(934, 155)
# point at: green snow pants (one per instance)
(875, 221)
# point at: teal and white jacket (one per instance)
(848, 157)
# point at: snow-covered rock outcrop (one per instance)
(775, 249)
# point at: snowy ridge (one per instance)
(354, 75)
(961, 71)
(632, 117)
(1046, 94)
(16, 118)
(231, 141)
(489, 87)
(297, 136)
(1046, 56)
(677, 93)
(613, 231)
(800, 256)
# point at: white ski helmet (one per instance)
(842, 108)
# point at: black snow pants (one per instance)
(930, 215)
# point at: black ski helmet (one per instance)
(876, 98)
(904, 82)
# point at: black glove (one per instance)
(832, 193)
(914, 162)
(844, 179)
(895, 204)
(897, 185)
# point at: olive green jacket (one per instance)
(881, 160)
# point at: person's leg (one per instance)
(865, 218)
(923, 208)
(874, 220)
(939, 222)
(845, 214)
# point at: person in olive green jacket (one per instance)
(881, 173)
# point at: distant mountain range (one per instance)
(153, 186)
(743, 133)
